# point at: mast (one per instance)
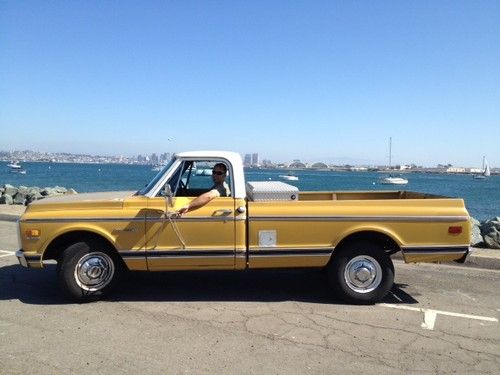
(390, 152)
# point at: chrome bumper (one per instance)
(21, 258)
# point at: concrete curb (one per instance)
(478, 257)
(484, 258)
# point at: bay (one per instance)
(482, 197)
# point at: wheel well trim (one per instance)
(67, 231)
(365, 230)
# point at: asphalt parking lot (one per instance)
(437, 319)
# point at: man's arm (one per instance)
(199, 201)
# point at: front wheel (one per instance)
(361, 273)
(88, 270)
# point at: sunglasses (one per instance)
(218, 173)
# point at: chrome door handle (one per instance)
(223, 212)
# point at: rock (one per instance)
(50, 192)
(6, 199)
(490, 229)
(20, 198)
(23, 195)
(60, 189)
(476, 237)
(34, 190)
(34, 197)
(10, 190)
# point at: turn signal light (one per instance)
(32, 233)
(455, 230)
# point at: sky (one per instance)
(311, 80)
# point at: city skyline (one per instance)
(252, 159)
(322, 81)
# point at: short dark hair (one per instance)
(222, 166)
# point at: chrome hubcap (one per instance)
(94, 271)
(363, 274)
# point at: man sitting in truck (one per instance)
(219, 189)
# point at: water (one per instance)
(482, 197)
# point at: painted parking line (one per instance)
(430, 315)
(6, 253)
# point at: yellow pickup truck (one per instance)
(94, 237)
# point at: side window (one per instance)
(193, 178)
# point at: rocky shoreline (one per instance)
(485, 234)
(24, 195)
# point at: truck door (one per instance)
(202, 238)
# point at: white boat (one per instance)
(392, 180)
(290, 177)
(14, 165)
(157, 168)
(203, 172)
(486, 171)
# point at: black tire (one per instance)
(361, 273)
(88, 271)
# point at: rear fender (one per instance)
(359, 230)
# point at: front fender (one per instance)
(90, 228)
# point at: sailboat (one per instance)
(486, 171)
(392, 180)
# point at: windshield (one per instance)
(155, 180)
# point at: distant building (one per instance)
(267, 163)
(164, 157)
(296, 164)
(255, 159)
(248, 160)
(319, 165)
(455, 170)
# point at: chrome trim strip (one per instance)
(291, 252)
(323, 249)
(434, 246)
(445, 249)
(360, 218)
(132, 219)
(84, 219)
(289, 255)
(433, 219)
(196, 218)
(437, 253)
(185, 253)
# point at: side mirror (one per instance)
(168, 195)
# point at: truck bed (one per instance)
(363, 195)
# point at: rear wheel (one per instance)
(361, 273)
(88, 271)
